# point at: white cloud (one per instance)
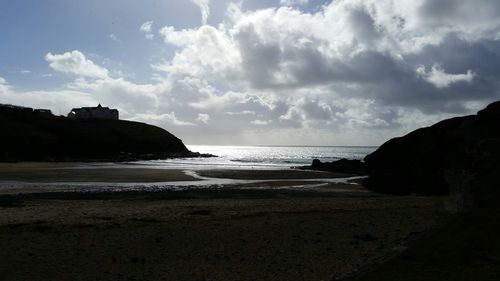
(92, 85)
(115, 38)
(234, 12)
(132, 98)
(261, 122)
(203, 117)
(439, 78)
(4, 89)
(285, 47)
(293, 2)
(147, 29)
(60, 102)
(75, 62)
(162, 119)
(244, 112)
(204, 6)
(362, 43)
(94, 81)
(207, 52)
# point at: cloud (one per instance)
(130, 97)
(204, 6)
(115, 38)
(95, 82)
(348, 72)
(75, 62)
(261, 122)
(4, 90)
(147, 29)
(162, 119)
(352, 65)
(93, 85)
(354, 47)
(203, 117)
(473, 19)
(293, 2)
(441, 79)
(59, 101)
(206, 51)
(244, 112)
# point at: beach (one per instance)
(265, 225)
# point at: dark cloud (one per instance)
(260, 60)
(464, 14)
(363, 25)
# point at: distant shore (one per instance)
(261, 230)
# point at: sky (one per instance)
(255, 72)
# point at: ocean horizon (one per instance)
(261, 156)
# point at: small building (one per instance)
(97, 112)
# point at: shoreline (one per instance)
(84, 177)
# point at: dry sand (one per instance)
(208, 234)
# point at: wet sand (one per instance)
(259, 232)
(80, 172)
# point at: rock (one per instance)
(345, 166)
(439, 159)
(316, 163)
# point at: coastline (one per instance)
(281, 225)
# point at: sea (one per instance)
(261, 157)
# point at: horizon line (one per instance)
(280, 145)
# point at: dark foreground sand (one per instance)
(211, 234)
(78, 172)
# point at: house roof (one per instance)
(99, 107)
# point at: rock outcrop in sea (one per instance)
(447, 157)
(29, 135)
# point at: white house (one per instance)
(98, 112)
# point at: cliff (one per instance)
(444, 158)
(27, 136)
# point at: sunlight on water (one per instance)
(263, 157)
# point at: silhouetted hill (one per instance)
(29, 136)
(438, 159)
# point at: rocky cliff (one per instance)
(439, 159)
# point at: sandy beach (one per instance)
(79, 172)
(261, 231)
